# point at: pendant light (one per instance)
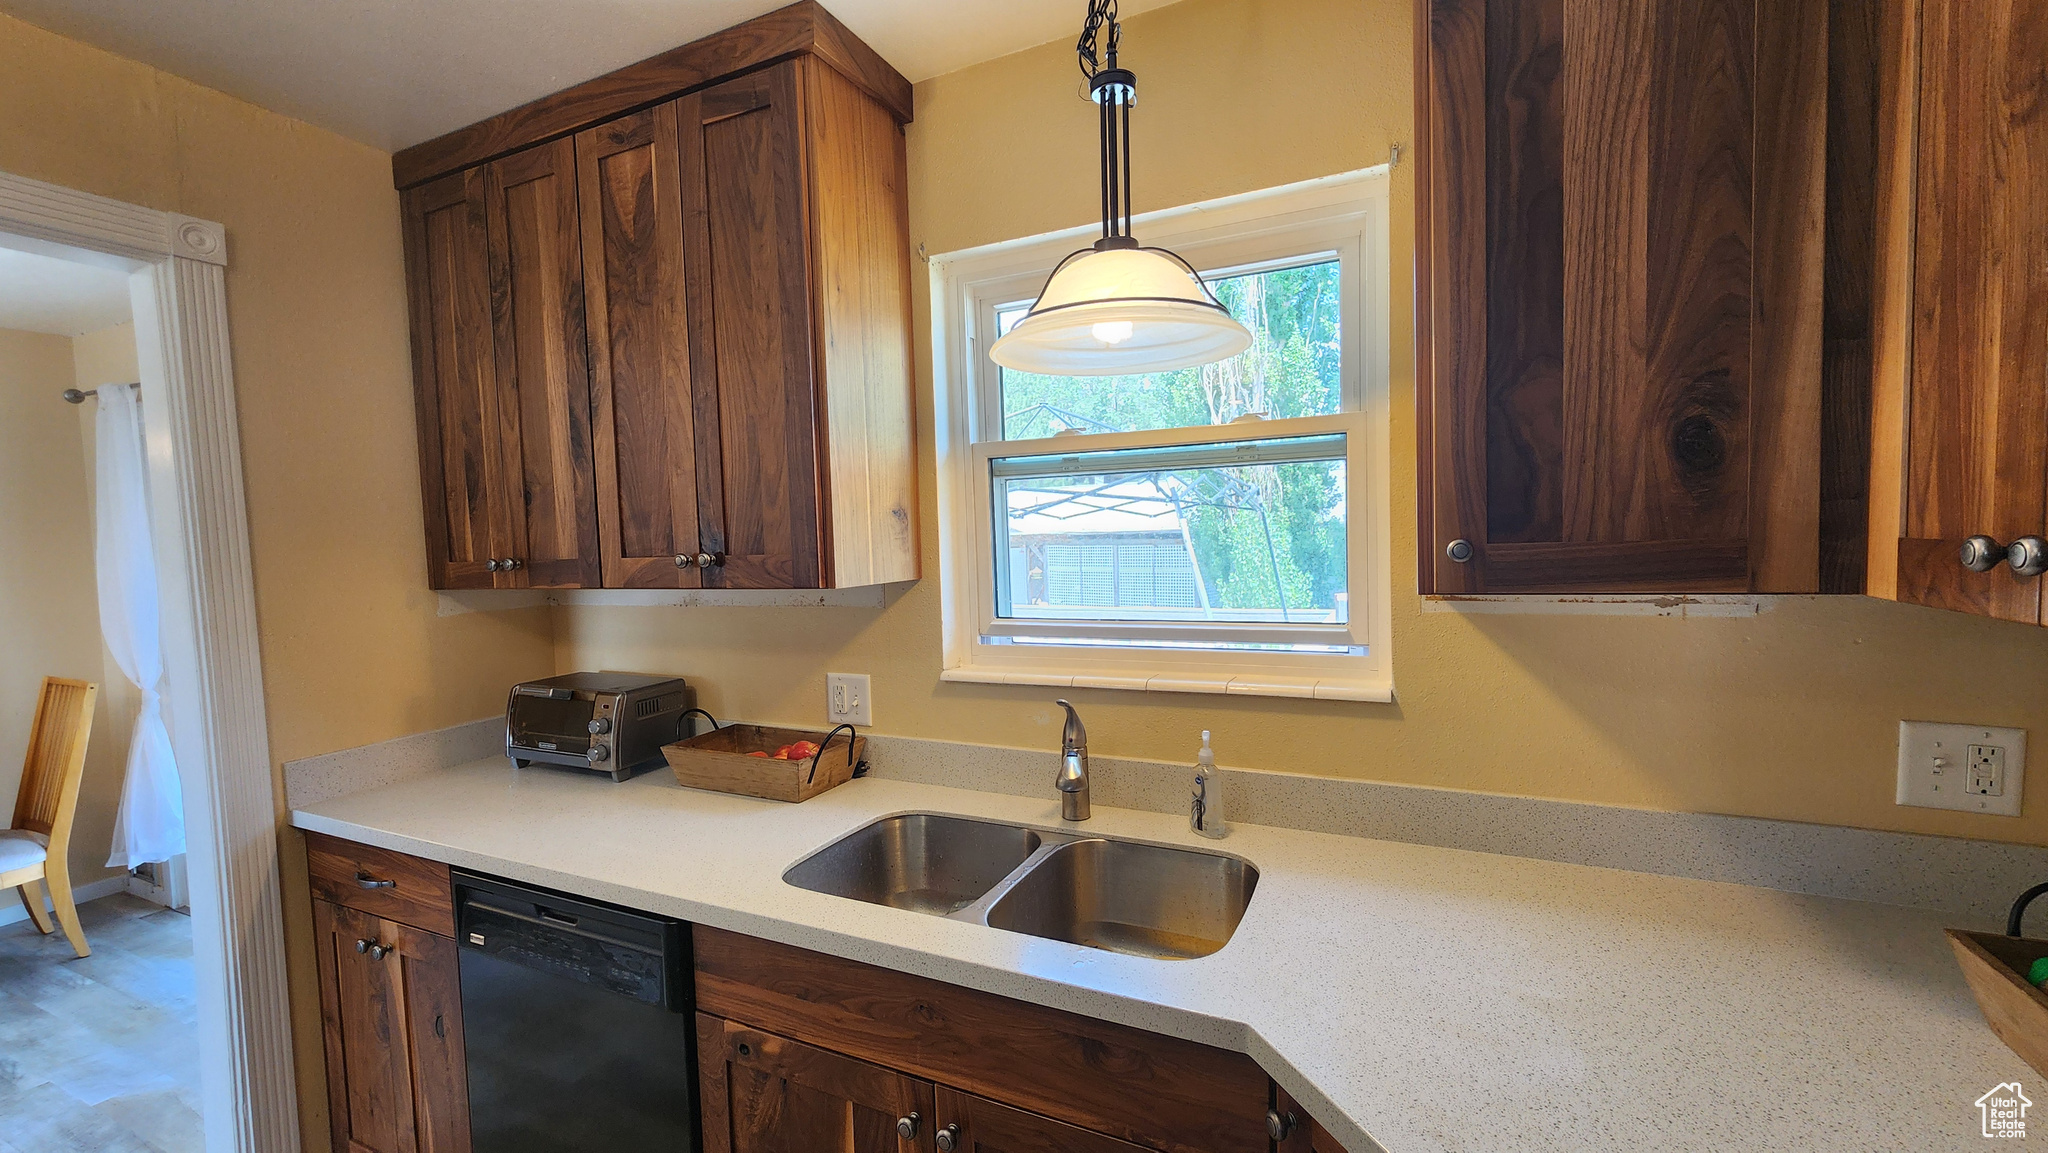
(1118, 307)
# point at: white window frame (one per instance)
(1344, 215)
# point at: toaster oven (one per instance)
(610, 723)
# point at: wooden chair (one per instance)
(36, 848)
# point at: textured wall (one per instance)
(1791, 714)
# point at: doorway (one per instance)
(94, 1040)
(174, 268)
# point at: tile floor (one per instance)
(96, 1053)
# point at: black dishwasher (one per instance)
(577, 1023)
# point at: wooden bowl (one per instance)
(718, 761)
(1996, 966)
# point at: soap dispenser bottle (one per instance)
(1205, 816)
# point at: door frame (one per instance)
(177, 276)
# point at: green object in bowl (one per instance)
(2037, 973)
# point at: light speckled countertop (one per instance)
(1413, 998)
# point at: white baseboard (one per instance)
(118, 883)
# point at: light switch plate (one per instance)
(1972, 768)
(846, 699)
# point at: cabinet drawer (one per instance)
(391, 885)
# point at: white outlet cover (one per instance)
(846, 699)
(1934, 766)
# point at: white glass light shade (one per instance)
(1115, 311)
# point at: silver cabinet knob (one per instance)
(710, 559)
(906, 1127)
(1459, 550)
(379, 952)
(685, 560)
(1278, 1124)
(362, 944)
(491, 565)
(1980, 553)
(2028, 556)
(948, 1139)
(512, 562)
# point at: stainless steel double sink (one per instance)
(1124, 896)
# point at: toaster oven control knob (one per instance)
(599, 753)
(600, 726)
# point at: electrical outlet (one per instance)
(846, 699)
(1972, 768)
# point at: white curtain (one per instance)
(151, 823)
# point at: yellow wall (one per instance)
(353, 651)
(1791, 714)
(49, 600)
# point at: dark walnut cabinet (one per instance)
(799, 1051)
(390, 1000)
(1619, 295)
(1960, 304)
(661, 324)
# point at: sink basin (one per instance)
(1123, 896)
(1128, 897)
(921, 861)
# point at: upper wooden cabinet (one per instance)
(697, 364)
(647, 467)
(503, 394)
(1619, 295)
(1960, 428)
(455, 386)
(543, 379)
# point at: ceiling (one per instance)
(392, 73)
(45, 294)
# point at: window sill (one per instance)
(1301, 688)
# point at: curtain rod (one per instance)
(77, 396)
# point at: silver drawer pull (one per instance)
(365, 880)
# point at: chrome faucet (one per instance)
(1073, 778)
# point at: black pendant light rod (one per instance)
(1114, 90)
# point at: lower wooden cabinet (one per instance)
(391, 1012)
(763, 1093)
(1022, 1078)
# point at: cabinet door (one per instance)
(746, 225)
(463, 463)
(536, 272)
(644, 407)
(986, 1127)
(768, 1094)
(1621, 295)
(1960, 437)
(392, 1026)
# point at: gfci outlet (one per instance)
(1974, 768)
(846, 699)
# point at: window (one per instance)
(1220, 528)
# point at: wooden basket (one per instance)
(1996, 966)
(718, 761)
